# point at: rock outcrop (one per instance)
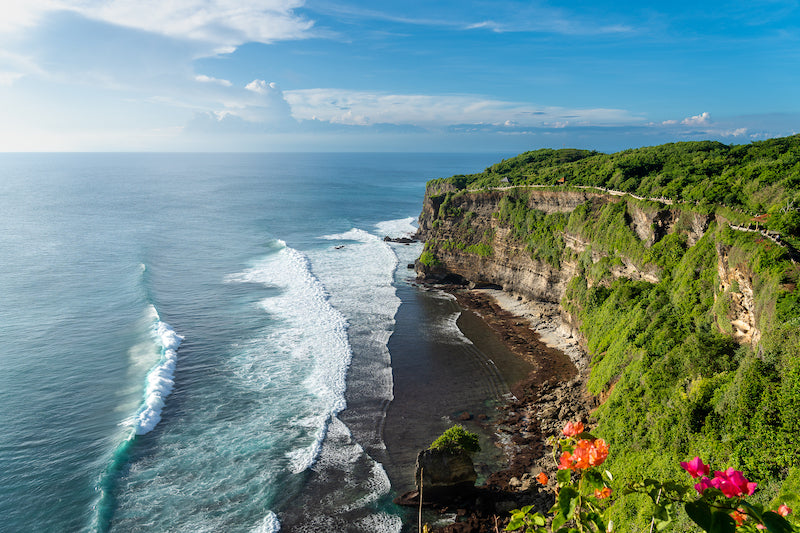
(469, 243)
(444, 475)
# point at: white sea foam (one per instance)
(270, 524)
(446, 328)
(159, 381)
(310, 337)
(403, 227)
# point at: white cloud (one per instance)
(21, 14)
(224, 24)
(261, 86)
(697, 120)
(738, 132)
(341, 106)
(8, 78)
(202, 78)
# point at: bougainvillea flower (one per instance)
(732, 483)
(542, 478)
(598, 452)
(570, 430)
(586, 453)
(784, 510)
(703, 485)
(695, 467)
(566, 461)
(738, 517)
(602, 494)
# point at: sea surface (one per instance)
(200, 342)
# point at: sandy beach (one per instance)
(520, 361)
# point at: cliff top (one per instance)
(761, 179)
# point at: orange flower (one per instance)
(566, 461)
(570, 430)
(542, 478)
(784, 510)
(602, 494)
(598, 452)
(587, 453)
(580, 457)
(738, 517)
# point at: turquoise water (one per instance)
(176, 332)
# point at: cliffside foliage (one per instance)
(718, 504)
(662, 314)
(762, 178)
(457, 440)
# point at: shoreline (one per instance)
(552, 392)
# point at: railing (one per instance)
(771, 235)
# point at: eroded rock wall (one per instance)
(456, 223)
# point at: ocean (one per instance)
(204, 342)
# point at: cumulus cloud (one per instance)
(261, 86)
(697, 120)
(259, 107)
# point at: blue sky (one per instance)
(323, 75)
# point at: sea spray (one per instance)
(349, 487)
(160, 378)
(158, 385)
(314, 335)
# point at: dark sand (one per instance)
(438, 376)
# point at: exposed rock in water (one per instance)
(401, 240)
(444, 474)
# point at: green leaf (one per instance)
(597, 520)
(722, 523)
(515, 523)
(564, 476)
(775, 523)
(526, 509)
(539, 520)
(700, 513)
(594, 478)
(568, 501)
(558, 521)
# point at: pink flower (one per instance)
(784, 510)
(695, 467)
(703, 485)
(732, 483)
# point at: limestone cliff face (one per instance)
(736, 284)
(467, 241)
(510, 265)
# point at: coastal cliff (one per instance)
(689, 309)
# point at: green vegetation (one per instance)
(677, 384)
(428, 259)
(676, 379)
(762, 178)
(457, 440)
(542, 233)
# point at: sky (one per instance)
(358, 75)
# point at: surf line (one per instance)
(158, 385)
